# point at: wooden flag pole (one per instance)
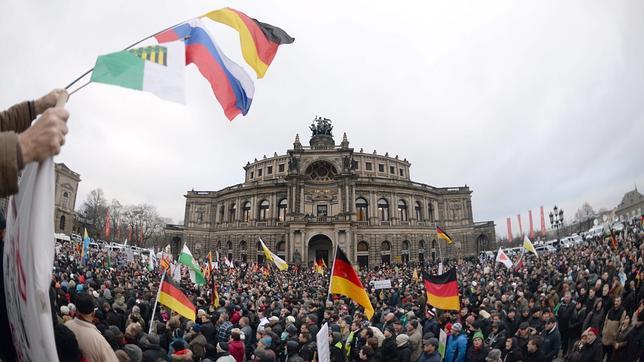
(156, 301)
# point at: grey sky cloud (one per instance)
(528, 103)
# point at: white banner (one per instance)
(28, 261)
(322, 339)
(381, 284)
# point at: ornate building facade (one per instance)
(66, 189)
(307, 201)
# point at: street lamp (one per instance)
(556, 219)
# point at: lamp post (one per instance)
(556, 219)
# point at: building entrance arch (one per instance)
(320, 247)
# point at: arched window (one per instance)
(281, 210)
(61, 224)
(362, 209)
(260, 253)
(65, 199)
(421, 251)
(229, 249)
(405, 251)
(434, 244)
(419, 211)
(232, 211)
(430, 212)
(402, 210)
(246, 212)
(243, 250)
(385, 252)
(263, 210)
(321, 171)
(281, 250)
(363, 254)
(383, 210)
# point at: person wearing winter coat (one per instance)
(180, 353)
(236, 346)
(634, 348)
(551, 340)
(614, 318)
(404, 350)
(497, 336)
(565, 315)
(592, 350)
(478, 351)
(511, 351)
(152, 351)
(414, 331)
(621, 339)
(197, 342)
(456, 349)
(430, 351)
(388, 350)
(595, 317)
(576, 324)
(534, 354)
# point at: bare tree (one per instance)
(584, 212)
(94, 209)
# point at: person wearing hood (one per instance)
(511, 351)
(152, 351)
(497, 336)
(197, 342)
(404, 350)
(478, 351)
(456, 349)
(388, 349)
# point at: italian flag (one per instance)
(155, 69)
(186, 259)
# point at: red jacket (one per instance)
(236, 316)
(236, 349)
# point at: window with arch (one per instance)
(229, 249)
(321, 171)
(434, 244)
(281, 210)
(246, 212)
(419, 211)
(385, 252)
(363, 254)
(243, 250)
(362, 209)
(65, 199)
(263, 210)
(430, 212)
(405, 251)
(260, 253)
(383, 210)
(61, 224)
(363, 246)
(232, 211)
(402, 210)
(281, 249)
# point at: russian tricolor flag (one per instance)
(232, 86)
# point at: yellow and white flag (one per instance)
(279, 262)
(527, 245)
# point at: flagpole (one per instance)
(156, 301)
(328, 296)
(135, 44)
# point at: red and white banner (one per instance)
(29, 251)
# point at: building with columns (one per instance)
(65, 198)
(307, 201)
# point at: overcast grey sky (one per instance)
(529, 103)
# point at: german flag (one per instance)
(442, 290)
(173, 298)
(345, 281)
(443, 235)
(613, 239)
(259, 41)
(215, 296)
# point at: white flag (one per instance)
(322, 339)
(501, 257)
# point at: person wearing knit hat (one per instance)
(134, 352)
(478, 350)
(404, 349)
(456, 348)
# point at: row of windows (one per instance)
(362, 210)
(381, 168)
(269, 170)
(385, 246)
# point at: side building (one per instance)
(65, 199)
(307, 201)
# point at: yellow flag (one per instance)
(414, 276)
(527, 245)
(279, 262)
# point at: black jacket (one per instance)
(551, 343)
(537, 356)
(593, 352)
(565, 315)
(153, 353)
(388, 350)
(404, 353)
(477, 356)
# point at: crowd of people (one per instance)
(579, 304)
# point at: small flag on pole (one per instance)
(443, 235)
(345, 281)
(502, 258)
(279, 262)
(185, 258)
(172, 297)
(527, 245)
